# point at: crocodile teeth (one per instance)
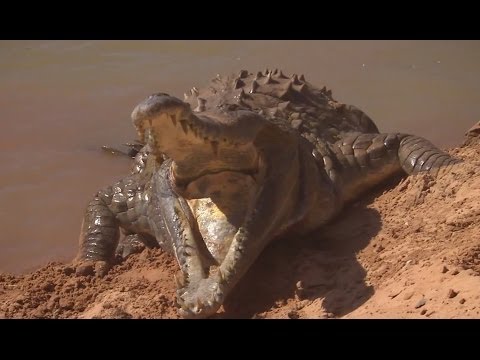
(281, 75)
(243, 74)
(214, 145)
(174, 120)
(259, 75)
(194, 91)
(199, 133)
(184, 126)
(185, 96)
(178, 281)
(193, 130)
(302, 77)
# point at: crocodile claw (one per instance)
(88, 267)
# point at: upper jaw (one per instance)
(202, 144)
(171, 115)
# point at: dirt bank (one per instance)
(410, 249)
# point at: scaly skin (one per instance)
(258, 158)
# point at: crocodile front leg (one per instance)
(99, 233)
(122, 205)
(134, 244)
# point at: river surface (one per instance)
(61, 100)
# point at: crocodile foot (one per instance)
(131, 244)
(97, 268)
(200, 299)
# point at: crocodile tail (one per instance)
(417, 154)
(360, 161)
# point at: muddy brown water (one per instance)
(61, 100)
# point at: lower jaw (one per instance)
(219, 204)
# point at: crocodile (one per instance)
(249, 159)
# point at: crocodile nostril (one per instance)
(158, 95)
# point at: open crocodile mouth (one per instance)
(215, 165)
(227, 187)
(199, 145)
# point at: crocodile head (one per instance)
(221, 164)
(202, 144)
(219, 160)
